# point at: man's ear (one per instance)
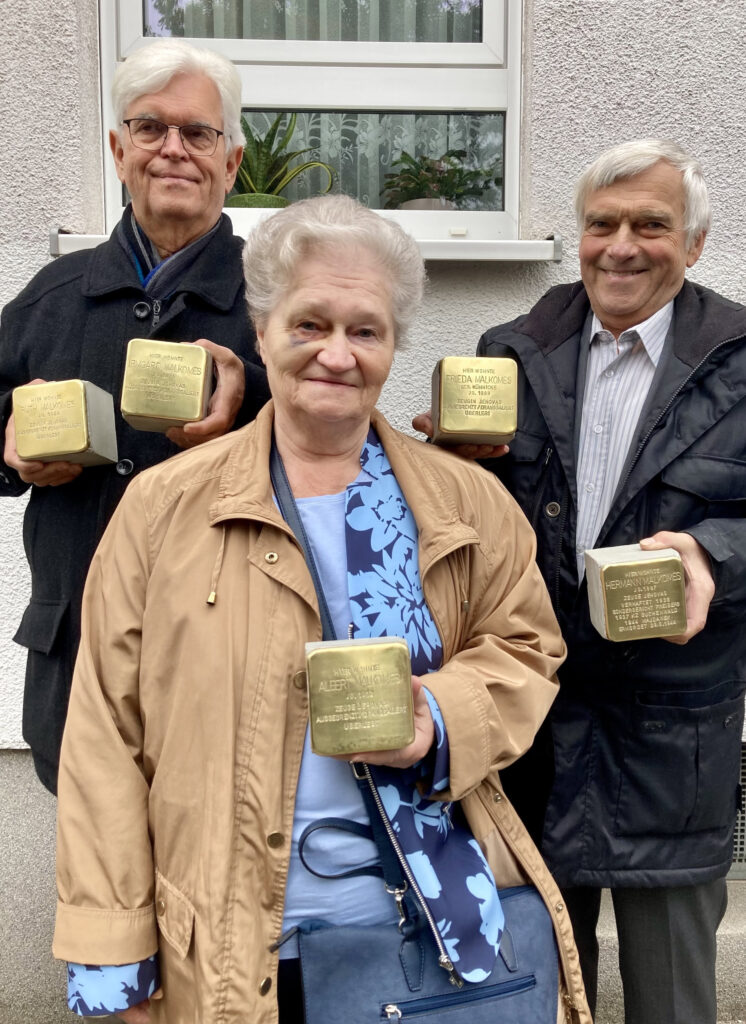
(232, 161)
(117, 151)
(695, 249)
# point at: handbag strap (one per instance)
(289, 512)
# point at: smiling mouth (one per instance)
(622, 273)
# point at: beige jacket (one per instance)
(187, 718)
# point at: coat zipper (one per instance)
(156, 311)
(541, 487)
(671, 400)
(443, 958)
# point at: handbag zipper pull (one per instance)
(398, 895)
(392, 1012)
(447, 965)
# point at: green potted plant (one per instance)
(264, 170)
(428, 183)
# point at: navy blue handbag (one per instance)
(370, 975)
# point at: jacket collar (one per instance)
(215, 276)
(702, 320)
(245, 489)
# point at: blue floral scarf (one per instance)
(386, 599)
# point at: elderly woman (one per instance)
(187, 775)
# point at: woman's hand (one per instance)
(140, 1014)
(424, 735)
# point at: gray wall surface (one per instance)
(595, 72)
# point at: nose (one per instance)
(172, 145)
(623, 244)
(336, 354)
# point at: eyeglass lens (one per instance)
(147, 133)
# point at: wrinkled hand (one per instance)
(700, 586)
(424, 423)
(41, 474)
(139, 1014)
(424, 735)
(225, 402)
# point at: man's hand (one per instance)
(424, 734)
(424, 423)
(226, 400)
(700, 586)
(41, 474)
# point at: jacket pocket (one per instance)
(708, 477)
(40, 625)
(680, 762)
(174, 914)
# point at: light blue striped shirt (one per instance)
(618, 377)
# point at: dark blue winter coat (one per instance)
(646, 734)
(73, 320)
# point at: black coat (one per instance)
(646, 734)
(72, 320)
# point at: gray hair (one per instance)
(277, 246)
(631, 158)
(152, 67)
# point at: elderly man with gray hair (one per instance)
(170, 271)
(632, 428)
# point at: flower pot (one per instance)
(435, 203)
(257, 199)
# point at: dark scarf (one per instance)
(159, 278)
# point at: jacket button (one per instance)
(125, 467)
(271, 557)
(553, 509)
(559, 907)
(141, 310)
(497, 797)
(299, 680)
(264, 986)
(160, 908)
(275, 840)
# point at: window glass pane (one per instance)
(362, 148)
(406, 21)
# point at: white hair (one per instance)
(152, 67)
(277, 246)
(631, 158)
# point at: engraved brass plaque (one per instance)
(636, 594)
(474, 400)
(166, 384)
(70, 420)
(359, 695)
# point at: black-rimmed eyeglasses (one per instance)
(197, 139)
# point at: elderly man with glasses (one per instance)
(170, 271)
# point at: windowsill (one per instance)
(450, 235)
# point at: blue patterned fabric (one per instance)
(386, 599)
(95, 991)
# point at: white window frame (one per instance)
(437, 77)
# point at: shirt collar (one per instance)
(652, 332)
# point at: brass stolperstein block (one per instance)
(474, 400)
(635, 594)
(166, 384)
(359, 695)
(65, 420)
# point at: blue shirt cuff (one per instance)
(94, 991)
(436, 767)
